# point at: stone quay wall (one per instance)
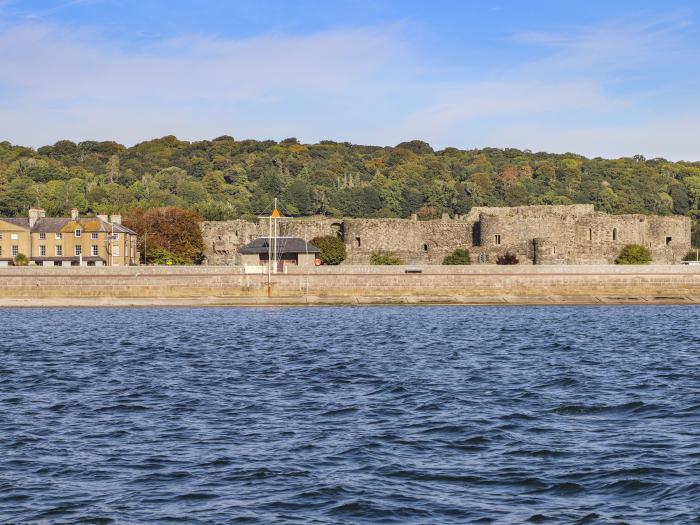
(230, 286)
(574, 234)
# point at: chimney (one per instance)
(103, 217)
(74, 214)
(34, 215)
(116, 218)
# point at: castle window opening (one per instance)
(498, 239)
(614, 234)
(668, 240)
(425, 247)
(590, 234)
(358, 242)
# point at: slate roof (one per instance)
(57, 225)
(22, 222)
(284, 245)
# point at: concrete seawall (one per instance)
(224, 286)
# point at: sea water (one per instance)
(350, 415)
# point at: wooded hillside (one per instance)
(226, 178)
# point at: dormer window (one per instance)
(78, 232)
(59, 236)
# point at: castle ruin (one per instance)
(575, 234)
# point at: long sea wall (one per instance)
(211, 286)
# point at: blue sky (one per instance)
(599, 78)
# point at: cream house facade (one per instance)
(67, 241)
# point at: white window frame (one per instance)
(42, 236)
(42, 250)
(95, 250)
(14, 236)
(78, 250)
(78, 232)
(15, 250)
(58, 236)
(59, 250)
(94, 236)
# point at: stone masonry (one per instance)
(574, 234)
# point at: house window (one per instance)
(115, 251)
(58, 236)
(358, 242)
(614, 234)
(0, 251)
(15, 250)
(59, 251)
(498, 239)
(78, 250)
(42, 251)
(116, 236)
(95, 250)
(93, 236)
(78, 233)
(668, 240)
(14, 236)
(42, 236)
(0, 236)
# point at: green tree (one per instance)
(634, 254)
(332, 249)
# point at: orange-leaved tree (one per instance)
(172, 229)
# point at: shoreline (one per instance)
(479, 285)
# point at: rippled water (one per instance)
(350, 415)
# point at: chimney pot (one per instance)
(116, 218)
(74, 214)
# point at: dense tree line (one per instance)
(226, 178)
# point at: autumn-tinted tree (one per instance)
(171, 229)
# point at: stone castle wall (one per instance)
(536, 234)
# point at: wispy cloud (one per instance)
(367, 85)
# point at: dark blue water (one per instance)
(350, 415)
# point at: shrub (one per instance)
(332, 249)
(459, 256)
(692, 255)
(507, 258)
(634, 254)
(21, 260)
(385, 258)
(162, 256)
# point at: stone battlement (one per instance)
(575, 234)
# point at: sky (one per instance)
(593, 77)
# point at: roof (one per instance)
(50, 224)
(284, 245)
(59, 224)
(22, 222)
